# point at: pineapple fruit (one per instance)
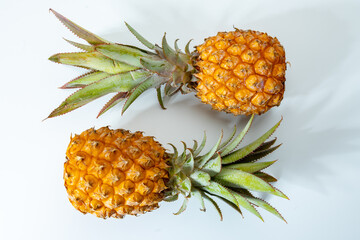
(113, 173)
(238, 72)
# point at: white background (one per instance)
(318, 165)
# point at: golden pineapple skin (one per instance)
(112, 173)
(241, 72)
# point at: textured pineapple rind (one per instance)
(111, 173)
(241, 72)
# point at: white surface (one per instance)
(318, 163)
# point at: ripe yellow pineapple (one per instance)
(113, 173)
(239, 72)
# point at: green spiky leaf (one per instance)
(219, 190)
(195, 146)
(171, 55)
(157, 66)
(176, 46)
(244, 151)
(171, 198)
(112, 102)
(231, 146)
(250, 167)
(79, 31)
(227, 141)
(184, 184)
(122, 53)
(188, 166)
(174, 155)
(85, 79)
(81, 46)
(200, 178)
(183, 206)
(187, 50)
(139, 37)
(92, 60)
(213, 166)
(246, 204)
(256, 155)
(197, 194)
(182, 158)
(237, 178)
(265, 176)
(266, 206)
(201, 147)
(215, 205)
(160, 98)
(265, 145)
(204, 159)
(122, 82)
(138, 90)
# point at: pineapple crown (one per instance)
(125, 70)
(225, 172)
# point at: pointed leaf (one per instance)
(244, 151)
(195, 146)
(226, 142)
(184, 184)
(188, 166)
(266, 145)
(187, 50)
(85, 79)
(183, 206)
(175, 154)
(139, 37)
(200, 178)
(215, 205)
(177, 49)
(264, 205)
(122, 53)
(122, 82)
(196, 193)
(254, 156)
(181, 159)
(213, 166)
(152, 81)
(266, 177)
(93, 60)
(250, 167)
(171, 55)
(237, 178)
(112, 102)
(160, 98)
(246, 204)
(204, 159)
(170, 90)
(161, 67)
(171, 198)
(280, 193)
(202, 145)
(81, 46)
(218, 190)
(237, 140)
(79, 31)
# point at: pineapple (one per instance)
(238, 72)
(113, 173)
